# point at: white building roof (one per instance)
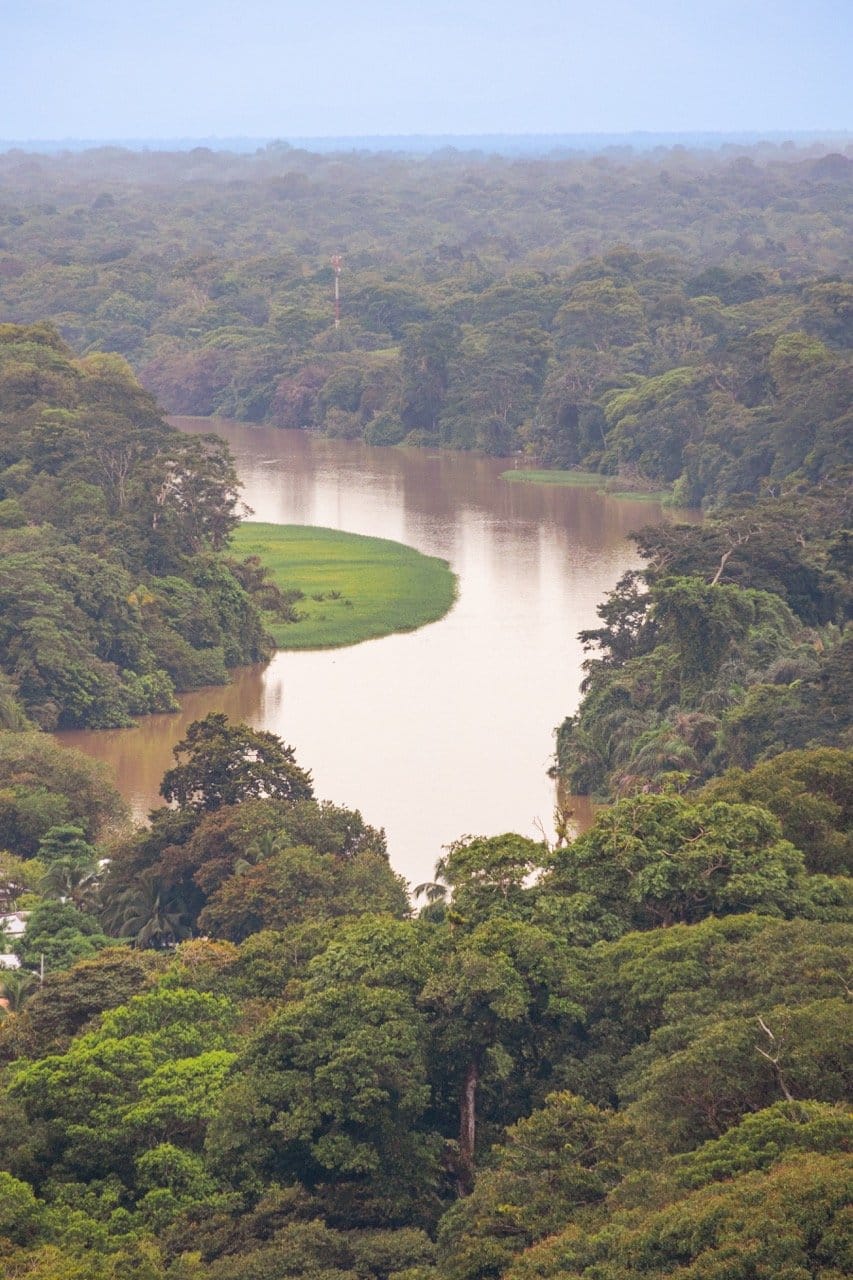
(14, 925)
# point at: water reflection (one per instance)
(447, 730)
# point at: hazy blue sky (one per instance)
(170, 68)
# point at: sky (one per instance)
(99, 69)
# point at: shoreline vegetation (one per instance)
(587, 480)
(353, 588)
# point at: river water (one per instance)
(441, 732)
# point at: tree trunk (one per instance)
(468, 1128)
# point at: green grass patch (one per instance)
(584, 480)
(574, 479)
(356, 588)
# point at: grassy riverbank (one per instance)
(355, 588)
(585, 480)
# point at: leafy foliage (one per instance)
(655, 860)
(228, 764)
(43, 785)
(113, 589)
(729, 648)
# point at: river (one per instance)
(441, 732)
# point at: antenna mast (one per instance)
(337, 263)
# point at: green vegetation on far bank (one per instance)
(354, 588)
(612, 315)
(585, 480)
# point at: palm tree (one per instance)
(661, 750)
(150, 912)
(267, 844)
(12, 717)
(72, 866)
(435, 891)
(71, 880)
(16, 986)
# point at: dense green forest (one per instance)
(233, 1048)
(731, 645)
(115, 589)
(626, 1055)
(673, 318)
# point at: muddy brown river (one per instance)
(441, 732)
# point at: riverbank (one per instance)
(354, 587)
(586, 480)
(444, 730)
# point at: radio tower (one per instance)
(337, 263)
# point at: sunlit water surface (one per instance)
(444, 731)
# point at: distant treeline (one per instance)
(504, 144)
(674, 317)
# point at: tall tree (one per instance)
(226, 764)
